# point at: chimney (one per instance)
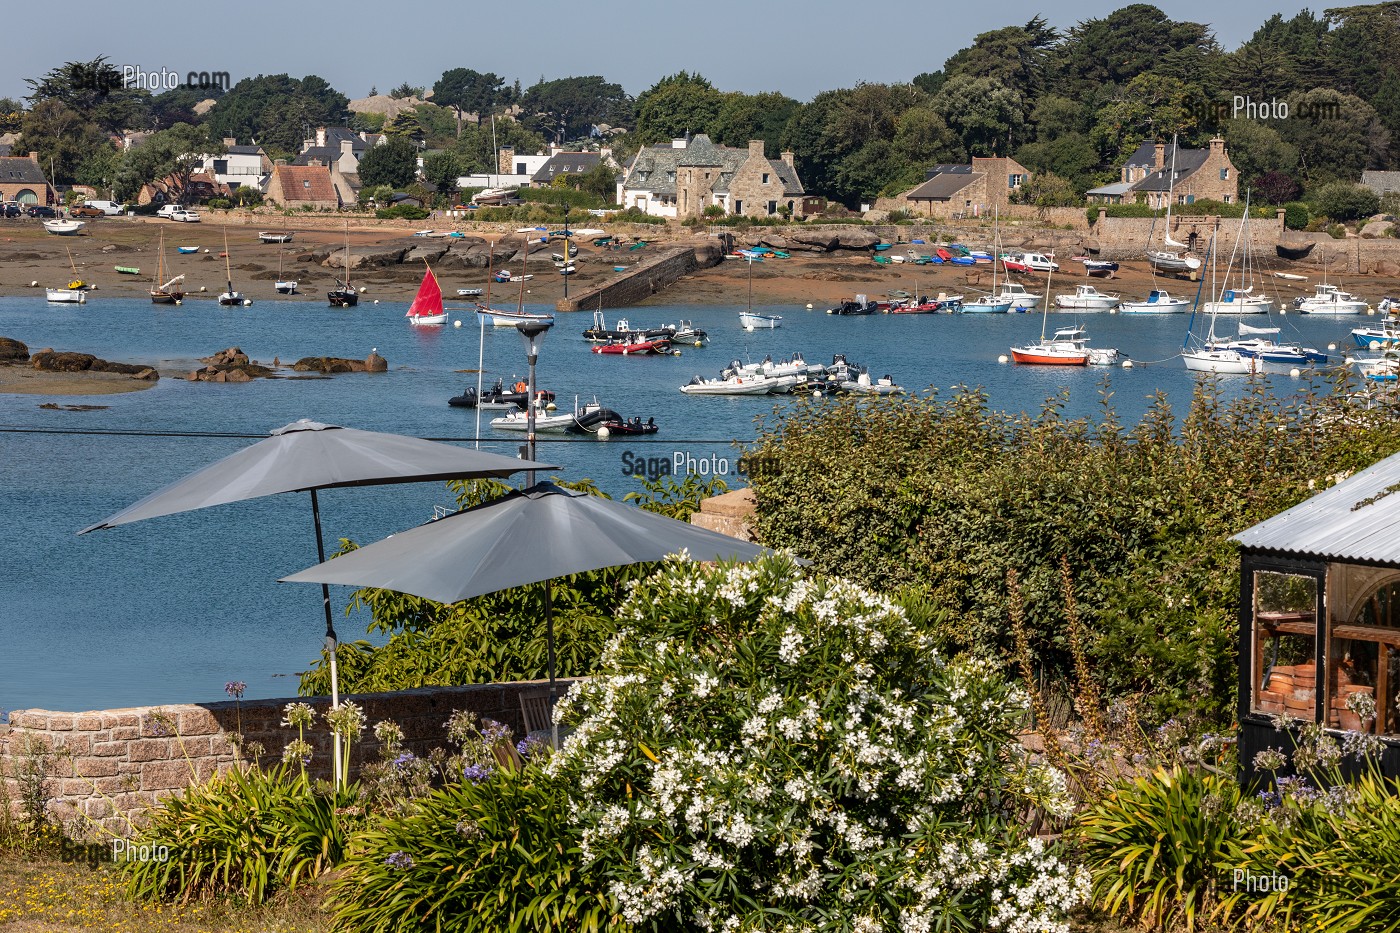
(279, 162)
(347, 147)
(313, 163)
(1159, 161)
(34, 157)
(755, 148)
(505, 160)
(787, 157)
(1217, 146)
(230, 141)
(320, 135)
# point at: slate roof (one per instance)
(244, 150)
(304, 182)
(1113, 190)
(1356, 520)
(1145, 156)
(942, 186)
(947, 170)
(1188, 161)
(4, 149)
(655, 168)
(565, 163)
(326, 155)
(1381, 182)
(17, 170)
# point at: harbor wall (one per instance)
(106, 767)
(653, 274)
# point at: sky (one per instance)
(799, 47)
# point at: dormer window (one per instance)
(306, 183)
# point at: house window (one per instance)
(1224, 174)
(1284, 678)
(738, 206)
(306, 183)
(772, 208)
(1227, 199)
(1190, 199)
(1013, 181)
(765, 178)
(1364, 658)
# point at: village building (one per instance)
(971, 190)
(23, 180)
(312, 186)
(564, 164)
(1201, 174)
(686, 176)
(337, 146)
(1382, 183)
(238, 166)
(196, 189)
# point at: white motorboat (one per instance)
(1021, 300)
(64, 227)
(1068, 347)
(285, 286)
(1329, 299)
(1087, 298)
(493, 195)
(864, 385)
(267, 237)
(752, 384)
(752, 320)
(546, 421)
(1157, 302)
(73, 296)
(469, 293)
(985, 304)
(782, 376)
(511, 318)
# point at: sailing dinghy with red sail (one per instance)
(426, 309)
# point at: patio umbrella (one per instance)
(307, 456)
(520, 538)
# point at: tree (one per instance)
(393, 162)
(1056, 116)
(1256, 148)
(930, 82)
(175, 153)
(1276, 188)
(178, 106)
(985, 113)
(1128, 42)
(443, 169)
(11, 115)
(61, 136)
(1351, 51)
(99, 169)
(1336, 135)
(600, 180)
(406, 90)
(567, 108)
(676, 105)
(471, 91)
(95, 91)
(1150, 106)
(1344, 200)
(743, 117)
(1072, 157)
(1014, 56)
(923, 138)
(278, 111)
(1046, 189)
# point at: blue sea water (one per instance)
(170, 609)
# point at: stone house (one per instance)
(337, 146)
(1382, 183)
(1200, 174)
(23, 180)
(295, 186)
(564, 164)
(196, 189)
(683, 178)
(970, 190)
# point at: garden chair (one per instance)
(535, 712)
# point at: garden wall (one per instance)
(112, 764)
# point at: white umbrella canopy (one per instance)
(307, 456)
(521, 538)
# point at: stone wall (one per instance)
(662, 269)
(731, 513)
(111, 765)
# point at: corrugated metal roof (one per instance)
(1357, 520)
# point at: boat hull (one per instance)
(1221, 362)
(286, 288)
(1237, 307)
(72, 296)
(1049, 356)
(1171, 306)
(428, 320)
(343, 299)
(1087, 305)
(1333, 307)
(759, 321)
(167, 298)
(985, 306)
(511, 318)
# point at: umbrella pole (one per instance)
(330, 637)
(553, 687)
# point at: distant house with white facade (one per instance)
(238, 165)
(685, 176)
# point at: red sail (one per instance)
(428, 301)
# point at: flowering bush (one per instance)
(762, 749)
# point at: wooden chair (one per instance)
(535, 711)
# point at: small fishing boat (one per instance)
(860, 305)
(283, 286)
(468, 293)
(343, 296)
(64, 227)
(687, 333)
(501, 398)
(1156, 302)
(657, 347)
(503, 275)
(583, 419)
(166, 293)
(510, 318)
(751, 320)
(128, 270)
(1012, 264)
(985, 304)
(1068, 347)
(426, 309)
(75, 293)
(600, 332)
(268, 237)
(1087, 298)
(631, 428)
(187, 250)
(1100, 268)
(1291, 276)
(1020, 298)
(231, 298)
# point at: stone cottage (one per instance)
(1200, 174)
(681, 179)
(23, 180)
(970, 190)
(312, 186)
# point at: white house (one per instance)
(238, 165)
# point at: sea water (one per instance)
(170, 609)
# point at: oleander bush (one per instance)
(940, 495)
(763, 749)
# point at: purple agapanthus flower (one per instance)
(477, 773)
(405, 761)
(235, 688)
(400, 860)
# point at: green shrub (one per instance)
(557, 195)
(1163, 848)
(218, 204)
(404, 211)
(1337, 231)
(498, 854)
(776, 751)
(245, 834)
(1344, 200)
(1295, 215)
(632, 215)
(1120, 210)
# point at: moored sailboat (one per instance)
(1171, 258)
(426, 309)
(343, 296)
(165, 293)
(230, 298)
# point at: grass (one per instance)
(42, 895)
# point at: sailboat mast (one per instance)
(228, 268)
(525, 264)
(1045, 314)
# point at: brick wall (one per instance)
(113, 764)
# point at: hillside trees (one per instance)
(278, 111)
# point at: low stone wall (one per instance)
(110, 765)
(731, 513)
(651, 275)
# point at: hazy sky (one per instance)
(799, 47)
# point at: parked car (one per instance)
(189, 217)
(85, 210)
(41, 210)
(110, 208)
(11, 209)
(167, 209)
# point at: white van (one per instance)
(110, 208)
(168, 210)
